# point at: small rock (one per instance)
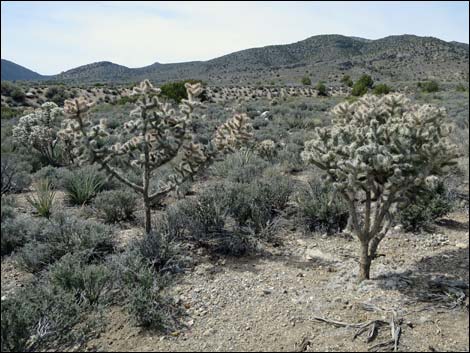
(209, 332)
(398, 227)
(461, 246)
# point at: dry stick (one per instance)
(395, 330)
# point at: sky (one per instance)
(51, 37)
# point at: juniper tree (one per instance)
(376, 152)
(159, 135)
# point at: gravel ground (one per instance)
(268, 303)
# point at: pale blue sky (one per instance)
(50, 37)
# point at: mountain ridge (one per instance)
(323, 57)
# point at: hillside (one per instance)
(323, 57)
(12, 71)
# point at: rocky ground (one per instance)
(270, 302)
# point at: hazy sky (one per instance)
(50, 37)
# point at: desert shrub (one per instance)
(258, 203)
(205, 221)
(40, 317)
(321, 88)
(44, 199)
(319, 209)
(57, 94)
(428, 86)
(116, 205)
(290, 159)
(18, 95)
(16, 230)
(56, 176)
(83, 280)
(241, 166)
(126, 100)
(160, 248)
(201, 218)
(362, 85)
(346, 79)
(306, 81)
(177, 90)
(461, 88)
(63, 234)
(82, 185)
(140, 286)
(14, 174)
(381, 88)
(9, 113)
(7, 88)
(428, 204)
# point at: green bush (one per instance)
(40, 317)
(18, 95)
(140, 289)
(7, 88)
(319, 209)
(346, 79)
(62, 234)
(82, 185)
(427, 205)
(15, 174)
(159, 248)
(306, 81)
(16, 230)
(366, 80)
(362, 85)
(205, 220)
(57, 94)
(9, 113)
(258, 203)
(321, 88)
(241, 166)
(461, 88)
(176, 90)
(73, 274)
(116, 205)
(126, 100)
(428, 86)
(56, 176)
(381, 88)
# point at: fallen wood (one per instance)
(372, 328)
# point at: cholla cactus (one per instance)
(159, 133)
(266, 149)
(377, 150)
(39, 131)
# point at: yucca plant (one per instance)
(82, 187)
(44, 199)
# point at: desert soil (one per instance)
(268, 303)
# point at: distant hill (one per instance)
(12, 71)
(323, 57)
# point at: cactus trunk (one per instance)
(365, 262)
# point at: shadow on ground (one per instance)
(441, 279)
